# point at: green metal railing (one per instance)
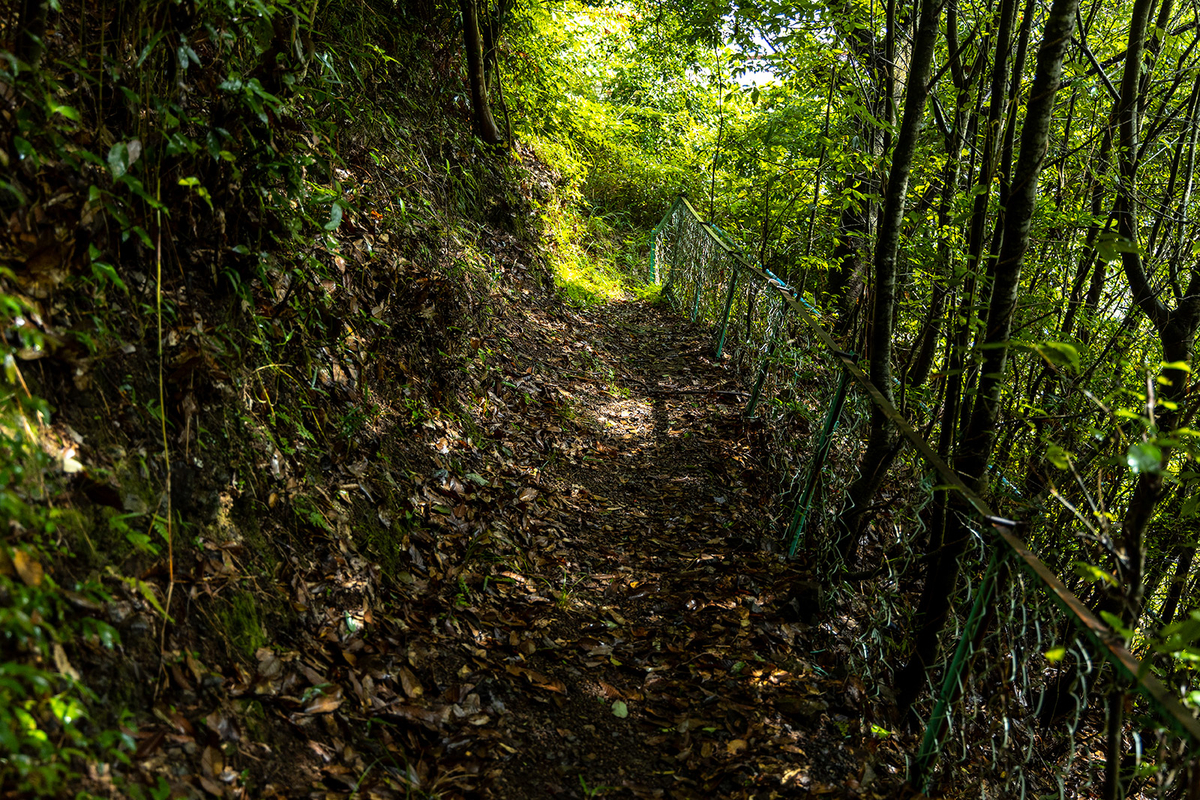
(1033, 678)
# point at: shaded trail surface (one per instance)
(619, 630)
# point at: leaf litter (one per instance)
(557, 589)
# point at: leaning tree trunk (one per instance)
(975, 449)
(881, 443)
(995, 139)
(1176, 327)
(481, 111)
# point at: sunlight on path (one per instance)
(660, 655)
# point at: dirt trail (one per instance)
(556, 590)
(643, 645)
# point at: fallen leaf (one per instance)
(735, 746)
(269, 665)
(610, 691)
(194, 666)
(223, 725)
(149, 744)
(62, 664)
(619, 709)
(212, 761)
(537, 679)
(29, 569)
(212, 787)
(325, 703)
(430, 718)
(410, 684)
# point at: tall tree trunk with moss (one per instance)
(482, 120)
(881, 443)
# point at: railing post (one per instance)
(920, 777)
(654, 252)
(766, 363)
(728, 306)
(804, 502)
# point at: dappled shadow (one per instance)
(672, 661)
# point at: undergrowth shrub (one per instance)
(191, 190)
(46, 710)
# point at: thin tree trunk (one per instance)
(482, 120)
(881, 449)
(956, 405)
(976, 445)
(31, 32)
(1172, 326)
(1184, 557)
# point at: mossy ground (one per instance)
(243, 623)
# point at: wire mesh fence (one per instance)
(1034, 701)
(1032, 696)
(770, 349)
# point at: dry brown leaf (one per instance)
(212, 761)
(325, 703)
(430, 718)
(62, 664)
(212, 787)
(149, 744)
(735, 746)
(194, 666)
(410, 684)
(28, 568)
(610, 691)
(223, 725)
(537, 679)
(269, 665)
(553, 685)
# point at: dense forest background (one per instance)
(254, 251)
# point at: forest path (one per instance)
(641, 644)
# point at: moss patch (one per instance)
(243, 623)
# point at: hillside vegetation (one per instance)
(349, 445)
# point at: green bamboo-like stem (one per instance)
(765, 366)
(733, 277)
(920, 776)
(804, 502)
